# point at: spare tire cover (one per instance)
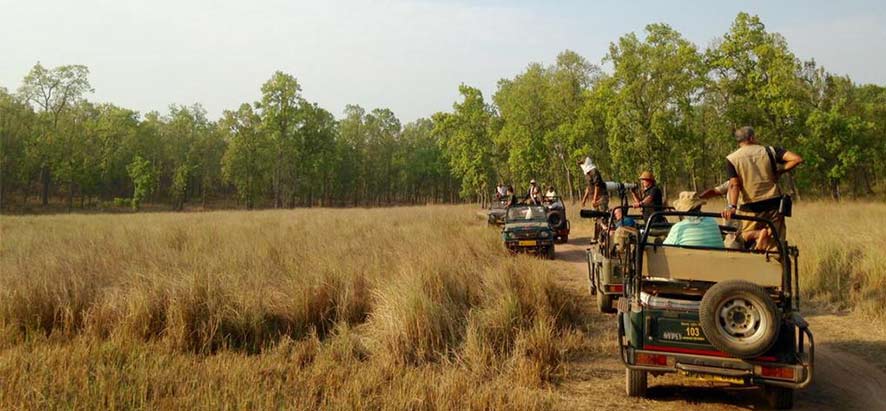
(739, 318)
(556, 218)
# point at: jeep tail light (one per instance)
(652, 359)
(616, 288)
(781, 373)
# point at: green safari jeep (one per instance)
(527, 229)
(609, 257)
(723, 315)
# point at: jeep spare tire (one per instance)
(739, 318)
(556, 218)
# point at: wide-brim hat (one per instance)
(687, 200)
(647, 175)
(587, 165)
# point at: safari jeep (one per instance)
(722, 315)
(526, 229)
(556, 215)
(496, 213)
(609, 257)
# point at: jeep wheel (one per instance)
(739, 318)
(604, 302)
(779, 398)
(549, 253)
(635, 382)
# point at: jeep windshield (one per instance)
(520, 214)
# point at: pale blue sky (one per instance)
(409, 56)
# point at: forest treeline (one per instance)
(665, 105)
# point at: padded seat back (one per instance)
(679, 263)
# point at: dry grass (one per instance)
(407, 308)
(842, 254)
(404, 308)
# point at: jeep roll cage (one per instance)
(785, 254)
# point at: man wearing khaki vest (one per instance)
(753, 172)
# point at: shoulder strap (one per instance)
(770, 151)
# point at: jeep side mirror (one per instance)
(593, 214)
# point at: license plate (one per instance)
(526, 243)
(712, 377)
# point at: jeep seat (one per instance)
(678, 263)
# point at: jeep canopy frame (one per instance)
(786, 255)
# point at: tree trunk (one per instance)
(45, 178)
(70, 195)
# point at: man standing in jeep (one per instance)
(753, 172)
(596, 187)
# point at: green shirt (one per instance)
(697, 232)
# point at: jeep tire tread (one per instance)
(739, 318)
(635, 382)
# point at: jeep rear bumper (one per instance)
(760, 371)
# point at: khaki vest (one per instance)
(758, 181)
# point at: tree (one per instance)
(246, 163)
(280, 104)
(17, 131)
(656, 81)
(53, 91)
(467, 144)
(144, 180)
(757, 78)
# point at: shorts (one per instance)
(773, 215)
(602, 206)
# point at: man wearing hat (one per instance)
(696, 231)
(753, 172)
(653, 198)
(596, 185)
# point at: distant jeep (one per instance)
(496, 213)
(556, 215)
(527, 229)
(715, 314)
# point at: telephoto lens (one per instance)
(614, 186)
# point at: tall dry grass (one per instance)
(406, 308)
(842, 254)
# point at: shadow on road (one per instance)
(576, 255)
(742, 397)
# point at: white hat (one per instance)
(532, 181)
(587, 166)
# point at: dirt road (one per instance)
(842, 379)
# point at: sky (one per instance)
(409, 56)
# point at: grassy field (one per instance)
(405, 308)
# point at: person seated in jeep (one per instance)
(550, 195)
(533, 196)
(693, 231)
(621, 220)
(511, 198)
(500, 191)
